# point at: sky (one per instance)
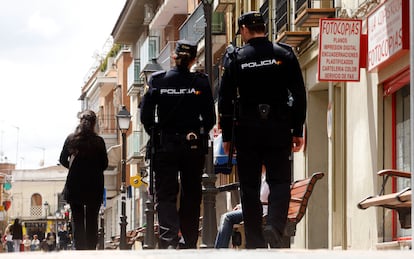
(47, 48)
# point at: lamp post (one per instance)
(123, 118)
(209, 178)
(149, 238)
(46, 206)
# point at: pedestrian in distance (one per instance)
(178, 112)
(16, 231)
(35, 246)
(84, 154)
(27, 243)
(262, 110)
(9, 238)
(63, 238)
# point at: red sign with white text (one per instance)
(388, 32)
(339, 50)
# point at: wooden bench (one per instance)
(399, 201)
(300, 191)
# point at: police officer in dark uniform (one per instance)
(264, 80)
(179, 106)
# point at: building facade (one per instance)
(36, 199)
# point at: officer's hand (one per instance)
(226, 147)
(297, 143)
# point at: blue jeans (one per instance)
(226, 227)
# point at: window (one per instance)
(402, 142)
(36, 205)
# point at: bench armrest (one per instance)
(394, 172)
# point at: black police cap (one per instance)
(250, 19)
(187, 47)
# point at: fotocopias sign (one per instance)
(339, 50)
(388, 33)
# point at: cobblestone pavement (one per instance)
(217, 254)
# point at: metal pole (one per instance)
(149, 238)
(209, 202)
(123, 223)
(209, 178)
(101, 232)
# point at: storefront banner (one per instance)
(387, 31)
(339, 50)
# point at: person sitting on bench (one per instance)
(229, 219)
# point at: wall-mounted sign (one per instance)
(339, 50)
(388, 32)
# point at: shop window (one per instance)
(402, 141)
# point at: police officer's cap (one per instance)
(186, 46)
(250, 19)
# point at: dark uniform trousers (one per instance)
(178, 170)
(265, 142)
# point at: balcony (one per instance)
(164, 58)
(193, 28)
(131, 22)
(283, 24)
(307, 15)
(224, 5)
(135, 83)
(310, 12)
(294, 38)
(166, 11)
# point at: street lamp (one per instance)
(149, 238)
(46, 206)
(151, 67)
(209, 177)
(123, 118)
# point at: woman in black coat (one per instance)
(84, 154)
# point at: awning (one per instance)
(220, 158)
(114, 155)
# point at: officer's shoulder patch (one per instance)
(158, 74)
(281, 48)
(285, 46)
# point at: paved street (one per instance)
(216, 254)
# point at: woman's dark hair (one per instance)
(81, 140)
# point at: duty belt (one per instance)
(191, 138)
(261, 111)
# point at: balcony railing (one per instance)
(193, 28)
(135, 82)
(106, 125)
(281, 15)
(164, 59)
(149, 50)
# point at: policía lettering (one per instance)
(267, 62)
(179, 91)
